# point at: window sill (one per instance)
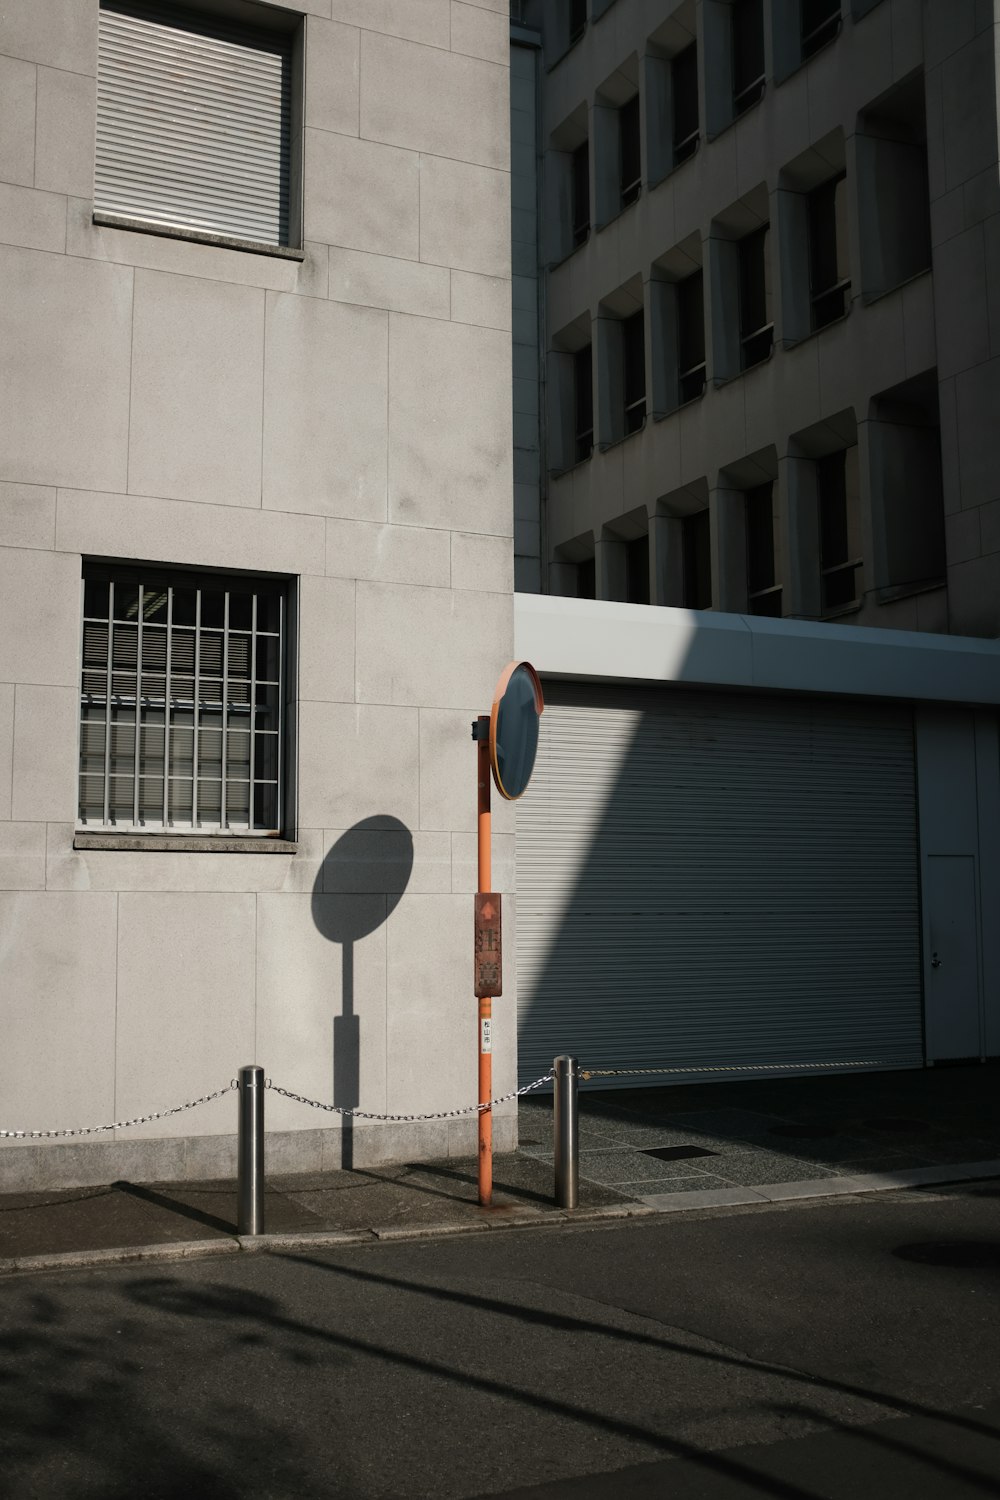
(868, 299)
(716, 135)
(718, 381)
(625, 437)
(554, 265)
(165, 843)
(616, 216)
(574, 42)
(662, 416)
(196, 236)
(673, 169)
(831, 615)
(580, 463)
(896, 591)
(814, 333)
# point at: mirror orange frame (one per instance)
(501, 688)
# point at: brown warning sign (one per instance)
(488, 972)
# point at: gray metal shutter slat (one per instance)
(706, 878)
(193, 126)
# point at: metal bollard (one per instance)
(250, 1152)
(566, 1130)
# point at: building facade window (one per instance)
(829, 268)
(583, 403)
(629, 152)
(637, 570)
(194, 121)
(819, 24)
(181, 703)
(684, 90)
(634, 372)
(690, 337)
(747, 53)
(580, 193)
(756, 316)
(586, 579)
(577, 20)
(763, 590)
(839, 530)
(696, 547)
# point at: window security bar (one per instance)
(631, 191)
(584, 444)
(756, 346)
(686, 147)
(824, 32)
(635, 415)
(749, 94)
(829, 302)
(691, 382)
(838, 584)
(181, 706)
(765, 601)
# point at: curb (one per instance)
(652, 1206)
(74, 1260)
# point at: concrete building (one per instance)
(756, 256)
(256, 467)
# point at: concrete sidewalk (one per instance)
(642, 1151)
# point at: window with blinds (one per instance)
(194, 121)
(181, 703)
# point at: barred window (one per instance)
(181, 704)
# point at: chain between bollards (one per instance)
(566, 1131)
(250, 1152)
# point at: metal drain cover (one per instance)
(677, 1153)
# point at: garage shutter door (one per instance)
(709, 879)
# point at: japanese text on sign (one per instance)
(488, 971)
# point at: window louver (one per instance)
(193, 122)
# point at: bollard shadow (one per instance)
(359, 883)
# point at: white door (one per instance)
(952, 968)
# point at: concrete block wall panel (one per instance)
(943, 319)
(57, 976)
(342, 419)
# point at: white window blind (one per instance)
(193, 121)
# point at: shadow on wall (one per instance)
(359, 883)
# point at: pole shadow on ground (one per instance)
(358, 885)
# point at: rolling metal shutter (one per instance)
(193, 122)
(711, 878)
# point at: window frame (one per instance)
(822, 32)
(579, 178)
(583, 403)
(748, 91)
(830, 302)
(696, 557)
(760, 332)
(831, 568)
(270, 644)
(684, 147)
(266, 21)
(629, 191)
(633, 335)
(688, 373)
(763, 587)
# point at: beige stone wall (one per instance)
(345, 421)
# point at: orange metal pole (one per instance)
(486, 1002)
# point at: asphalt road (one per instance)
(829, 1348)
